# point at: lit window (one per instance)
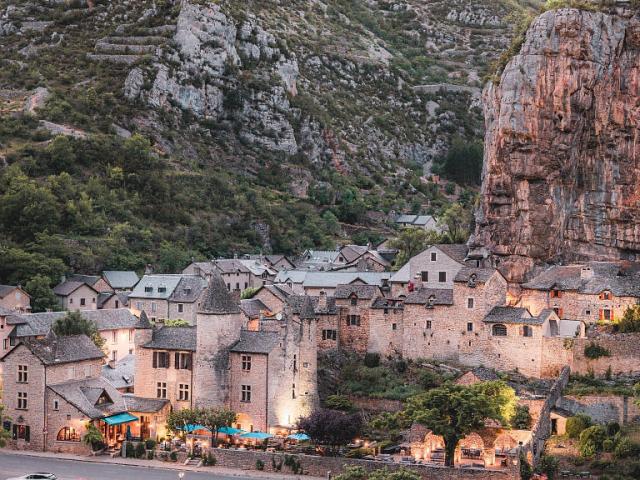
(67, 434)
(246, 394)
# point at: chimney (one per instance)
(322, 301)
(586, 273)
(112, 364)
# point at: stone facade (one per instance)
(14, 299)
(119, 343)
(603, 408)
(386, 329)
(83, 298)
(353, 324)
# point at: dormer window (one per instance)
(555, 293)
(162, 289)
(148, 289)
(606, 295)
(104, 398)
(354, 300)
(431, 302)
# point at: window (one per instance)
(117, 304)
(470, 303)
(246, 285)
(154, 307)
(329, 335)
(180, 308)
(237, 286)
(555, 293)
(527, 331)
(5, 344)
(12, 341)
(434, 256)
(23, 374)
(293, 391)
(56, 405)
(499, 330)
(229, 286)
(246, 363)
(22, 432)
(394, 326)
(605, 296)
(132, 334)
(114, 355)
(83, 302)
(428, 325)
(114, 337)
(160, 359)
(183, 361)
(354, 301)
(442, 277)
(70, 301)
(148, 289)
(246, 394)
(162, 289)
(605, 314)
(353, 320)
(558, 311)
(424, 276)
(469, 326)
(162, 389)
(183, 392)
(68, 434)
(22, 401)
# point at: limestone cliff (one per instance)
(561, 170)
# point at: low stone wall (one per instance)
(376, 404)
(603, 408)
(323, 466)
(624, 349)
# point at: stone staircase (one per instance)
(193, 462)
(121, 47)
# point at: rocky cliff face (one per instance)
(562, 169)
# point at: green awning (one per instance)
(119, 419)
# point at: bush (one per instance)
(626, 448)
(130, 450)
(522, 418)
(173, 456)
(209, 460)
(372, 360)
(576, 424)
(359, 453)
(591, 440)
(549, 466)
(339, 402)
(594, 351)
(140, 450)
(150, 444)
(608, 445)
(613, 428)
(259, 465)
(429, 379)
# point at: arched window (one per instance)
(68, 434)
(354, 299)
(499, 330)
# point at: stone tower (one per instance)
(218, 328)
(308, 359)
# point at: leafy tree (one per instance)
(504, 397)
(591, 440)
(19, 266)
(216, 418)
(456, 221)
(339, 402)
(73, 323)
(249, 292)
(630, 321)
(526, 472)
(576, 424)
(331, 427)
(62, 154)
(93, 436)
(178, 419)
(410, 242)
(463, 161)
(4, 434)
(387, 425)
(173, 258)
(42, 296)
(176, 322)
(522, 418)
(453, 412)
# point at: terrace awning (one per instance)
(119, 419)
(230, 431)
(256, 435)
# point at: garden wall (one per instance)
(376, 404)
(623, 347)
(322, 466)
(603, 408)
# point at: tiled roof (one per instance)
(38, 324)
(481, 274)
(54, 350)
(252, 307)
(256, 342)
(512, 315)
(121, 280)
(297, 301)
(623, 280)
(361, 291)
(421, 296)
(217, 299)
(188, 289)
(69, 286)
(122, 375)
(173, 338)
(143, 405)
(83, 394)
(230, 265)
(157, 286)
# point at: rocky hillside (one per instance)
(561, 156)
(206, 127)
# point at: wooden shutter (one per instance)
(177, 361)
(155, 359)
(601, 314)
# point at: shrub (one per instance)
(130, 450)
(140, 450)
(576, 424)
(591, 440)
(359, 453)
(593, 351)
(372, 360)
(150, 455)
(173, 456)
(608, 444)
(626, 448)
(613, 428)
(522, 418)
(339, 402)
(429, 379)
(526, 472)
(150, 444)
(549, 466)
(209, 460)
(259, 465)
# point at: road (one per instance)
(16, 465)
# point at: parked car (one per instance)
(36, 476)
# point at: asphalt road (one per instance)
(16, 465)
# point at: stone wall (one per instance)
(624, 349)
(384, 338)
(370, 404)
(322, 466)
(603, 408)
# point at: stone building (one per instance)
(76, 295)
(353, 303)
(14, 298)
(168, 297)
(237, 274)
(591, 292)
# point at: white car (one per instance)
(36, 476)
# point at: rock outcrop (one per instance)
(562, 158)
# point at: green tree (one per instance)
(73, 323)
(576, 424)
(453, 412)
(178, 419)
(591, 440)
(339, 402)
(173, 257)
(93, 436)
(522, 418)
(410, 242)
(42, 296)
(176, 322)
(4, 434)
(630, 321)
(249, 292)
(216, 418)
(456, 221)
(504, 397)
(463, 161)
(62, 154)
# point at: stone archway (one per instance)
(471, 448)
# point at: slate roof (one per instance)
(273, 259)
(307, 310)
(293, 276)
(143, 405)
(382, 303)
(69, 286)
(512, 315)
(230, 265)
(6, 290)
(457, 252)
(54, 350)
(418, 220)
(256, 342)
(217, 299)
(482, 274)
(623, 280)
(322, 256)
(252, 307)
(143, 322)
(39, 324)
(361, 291)
(257, 267)
(154, 282)
(104, 297)
(122, 375)
(421, 296)
(121, 280)
(188, 289)
(333, 279)
(280, 290)
(297, 301)
(173, 338)
(353, 252)
(6, 312)
(83, 395)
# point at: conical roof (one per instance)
(308, 310)
(218, 300)
(143, 322)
